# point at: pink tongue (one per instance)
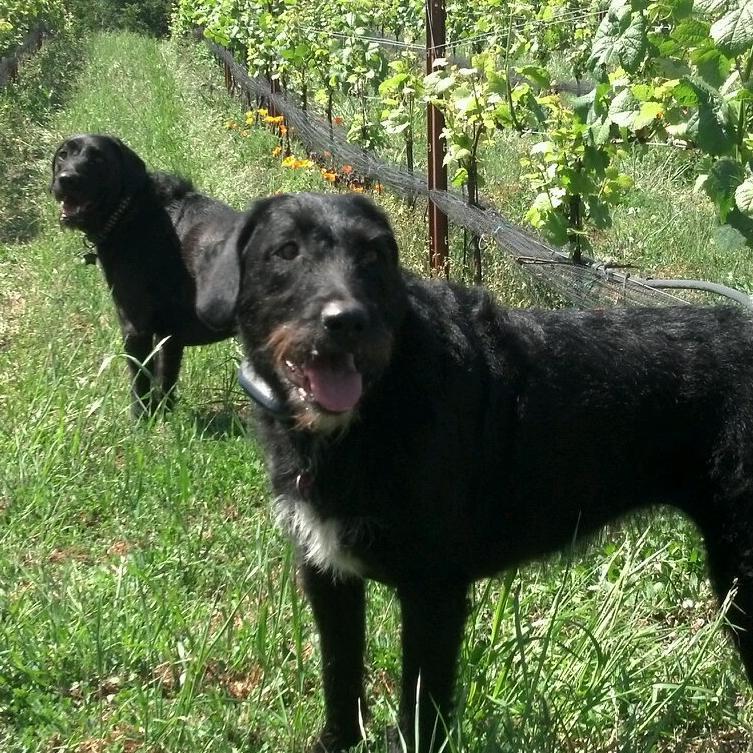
(70, 206)
(336, 390)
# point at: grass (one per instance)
(146, 601)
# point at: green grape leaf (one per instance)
(733, 32)
(742, 223)
(620, 40)
(712, 65)
(724, 177)
(624, 109)
(691, 32)
(711, 7)
(744, 197)
(711, 135)
(537, 74)
(648, 113)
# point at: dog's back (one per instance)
(422, 435)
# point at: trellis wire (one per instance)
(585, 284)
(518, 24)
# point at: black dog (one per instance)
(149, 229)
(421, 435)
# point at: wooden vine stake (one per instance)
(439, 262)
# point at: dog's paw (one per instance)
(395, 743)
(330, 741)
(140, 410)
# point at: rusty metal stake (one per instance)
(437, 173)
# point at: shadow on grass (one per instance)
(222, 422)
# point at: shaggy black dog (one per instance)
(149, 230)
(421, 435)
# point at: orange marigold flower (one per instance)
(329, 176)
(283, 130)
(357, 188)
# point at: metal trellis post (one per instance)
(437, 171)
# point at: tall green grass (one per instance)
(146, 601)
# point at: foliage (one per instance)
(18, 17)
(682, 74)
(150, 17)
(400, 93)
(667, 70)
(26, 105)
(574, 174)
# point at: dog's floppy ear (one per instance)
(54, 160)
(218, 277)
(219, 271)
(132, 168)
(55, 155)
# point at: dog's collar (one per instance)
(260, 391)
(112, 221)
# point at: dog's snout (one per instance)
(345, 318)
(68, 180)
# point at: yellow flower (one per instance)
(283, 130)
(230, 124)
(329, 176)
(277, 151)
(263, 112)
(295, 163)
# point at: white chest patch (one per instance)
(318, 539)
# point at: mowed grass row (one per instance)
(146, 601)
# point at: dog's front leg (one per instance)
(138, 348)
(168, 367)
(339, 606)
(433, 617)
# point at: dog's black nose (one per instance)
(68, 180)
(346, 318)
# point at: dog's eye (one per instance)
(288, 251)
(62, 154)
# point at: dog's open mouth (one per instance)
(331, 381)
(73, 208)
